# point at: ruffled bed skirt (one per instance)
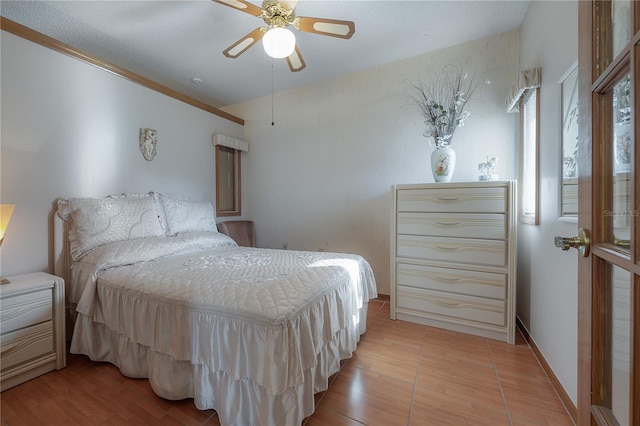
(241, 402)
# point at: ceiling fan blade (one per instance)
(289, 4)
(242, 6)
(239, 47)
(328, 27)
(295, 61)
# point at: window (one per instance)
(524, 98)
(529, 153)
(228, 183)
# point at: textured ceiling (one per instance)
(172, 42)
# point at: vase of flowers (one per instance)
(442, 102)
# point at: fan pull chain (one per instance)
(272, 119)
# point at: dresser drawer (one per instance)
(473, 283)
(25, 309)
(447, 305)
(489, 226)
(456, 250)
(26, 344)
(463, 200)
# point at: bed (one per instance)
(252, 333)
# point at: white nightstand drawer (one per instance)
(25, 344)
(473, 283)
(32, 326)
(447, 199)
(489, 226)
(457, 306)
(24, 310)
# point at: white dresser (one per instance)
(453, 256)
(32, 327)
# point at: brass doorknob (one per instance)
(581, 242)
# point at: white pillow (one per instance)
(157, 198)
(98, 221)
(183, 215)
(156, 204)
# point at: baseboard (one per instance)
(557, 386)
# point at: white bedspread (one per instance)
(249, 317)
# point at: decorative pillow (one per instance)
(156, 204)
(98, 221)
(157, 198)
(187, 216)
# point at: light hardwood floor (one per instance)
(401, 374)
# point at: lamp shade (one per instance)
(6, 210)
(279, 42)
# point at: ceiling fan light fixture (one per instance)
(279, 42)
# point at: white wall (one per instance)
(321, 177)
(547, 277)
(71, 130)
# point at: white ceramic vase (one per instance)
(443, 162)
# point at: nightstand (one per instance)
(32, 327)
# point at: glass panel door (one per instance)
(621, 213)
(609, 206)
(620, 344)
(621, 24)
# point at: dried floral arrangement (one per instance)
(442, 102)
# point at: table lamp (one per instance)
(6, 210)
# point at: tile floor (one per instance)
(401, 374)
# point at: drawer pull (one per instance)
(444, 302)
(448, 225)
(455, 248)
(448, 303)
(448, 199)
(445, 280)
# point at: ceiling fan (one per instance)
(277, 40)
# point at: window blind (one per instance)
(527, 79)
(530, 155)
(229, 142)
